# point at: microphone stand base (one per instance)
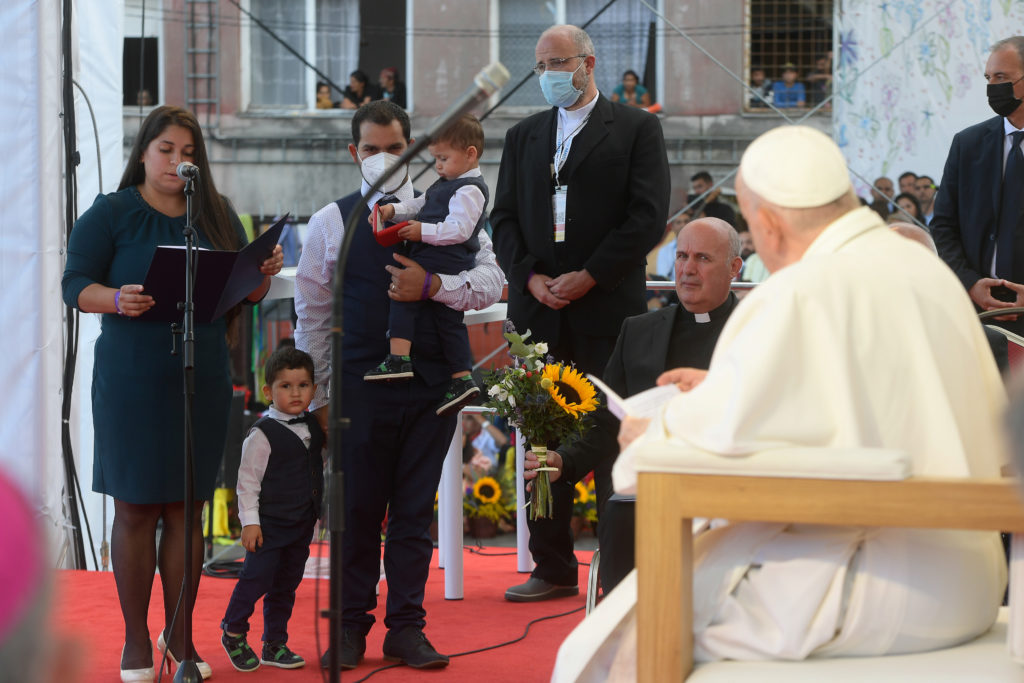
(187, 672)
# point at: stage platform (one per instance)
(86, 608)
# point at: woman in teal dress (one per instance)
(137, 386)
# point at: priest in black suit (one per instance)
(677, 336)
(582, 197)
(977, 222)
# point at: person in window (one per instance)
(631, 92)
(391, 88)
(358, 92)
(787, 93)
(819, 81)
(323, 96)
(761, 87)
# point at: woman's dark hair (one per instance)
(210, 210)
(211, 213)
(321, 84)
(914, 201)
(360, 76)
(630, 72)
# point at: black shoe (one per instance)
(392, 369)
(241, 655)
(353, 646)
(461, 392)
(409, 645)
(276, 653)
(536, 590)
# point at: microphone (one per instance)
(188, 171)
(490, 79)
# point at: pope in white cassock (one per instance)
(859, 339)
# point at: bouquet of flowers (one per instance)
(546, 399)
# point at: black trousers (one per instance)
(393, 451)
(272, 572)
(551, 540)
(616, 535)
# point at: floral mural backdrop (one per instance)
(909, 76)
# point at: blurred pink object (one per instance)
(21, 557)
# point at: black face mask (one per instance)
(1001, 99)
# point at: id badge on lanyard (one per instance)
(558, 211)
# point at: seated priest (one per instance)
(859, 339)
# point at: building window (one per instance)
(790, 34)
(622, 37)
(326, 31)
(141, 60)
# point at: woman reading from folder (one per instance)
(137, 402)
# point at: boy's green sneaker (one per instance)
(241, 655)
(278, 654)
(393, 368)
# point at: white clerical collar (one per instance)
(569, 119)
(403, 194)
(702, 317)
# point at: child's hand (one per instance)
(411, 231)
(252, 537)
(387, 212)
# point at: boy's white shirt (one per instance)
(464, 211)
(255, 456)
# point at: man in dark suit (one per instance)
(582, 196)
(976, 225)
(683, 336)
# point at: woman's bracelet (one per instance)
(117, 303)
(427, 281)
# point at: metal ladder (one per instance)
(202, 61)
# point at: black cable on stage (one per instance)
(509, 93)
(71, 161)
(526, 632)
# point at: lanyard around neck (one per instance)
(562, 146)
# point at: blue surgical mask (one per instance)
(558, 88)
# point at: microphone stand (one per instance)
(188, 671)
(336, 423)
(486, 82)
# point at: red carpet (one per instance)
(87, 609)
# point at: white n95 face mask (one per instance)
(373, 167)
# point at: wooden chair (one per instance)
(668, 501)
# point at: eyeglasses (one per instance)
(555, 64)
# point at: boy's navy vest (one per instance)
(366, 305)
(438, 197)
(293, 483)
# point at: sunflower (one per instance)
(487, 490)
(570, 389)
(582, 493)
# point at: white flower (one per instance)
(539, 365)
(493, 391)
(540, 348)
(511, 400)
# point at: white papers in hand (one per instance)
(645, 404)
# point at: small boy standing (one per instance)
(442, 239)
(280, 483)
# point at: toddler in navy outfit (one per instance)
(441, 239)
(280, 485)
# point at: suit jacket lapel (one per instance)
(658, 336)
(588, 138)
